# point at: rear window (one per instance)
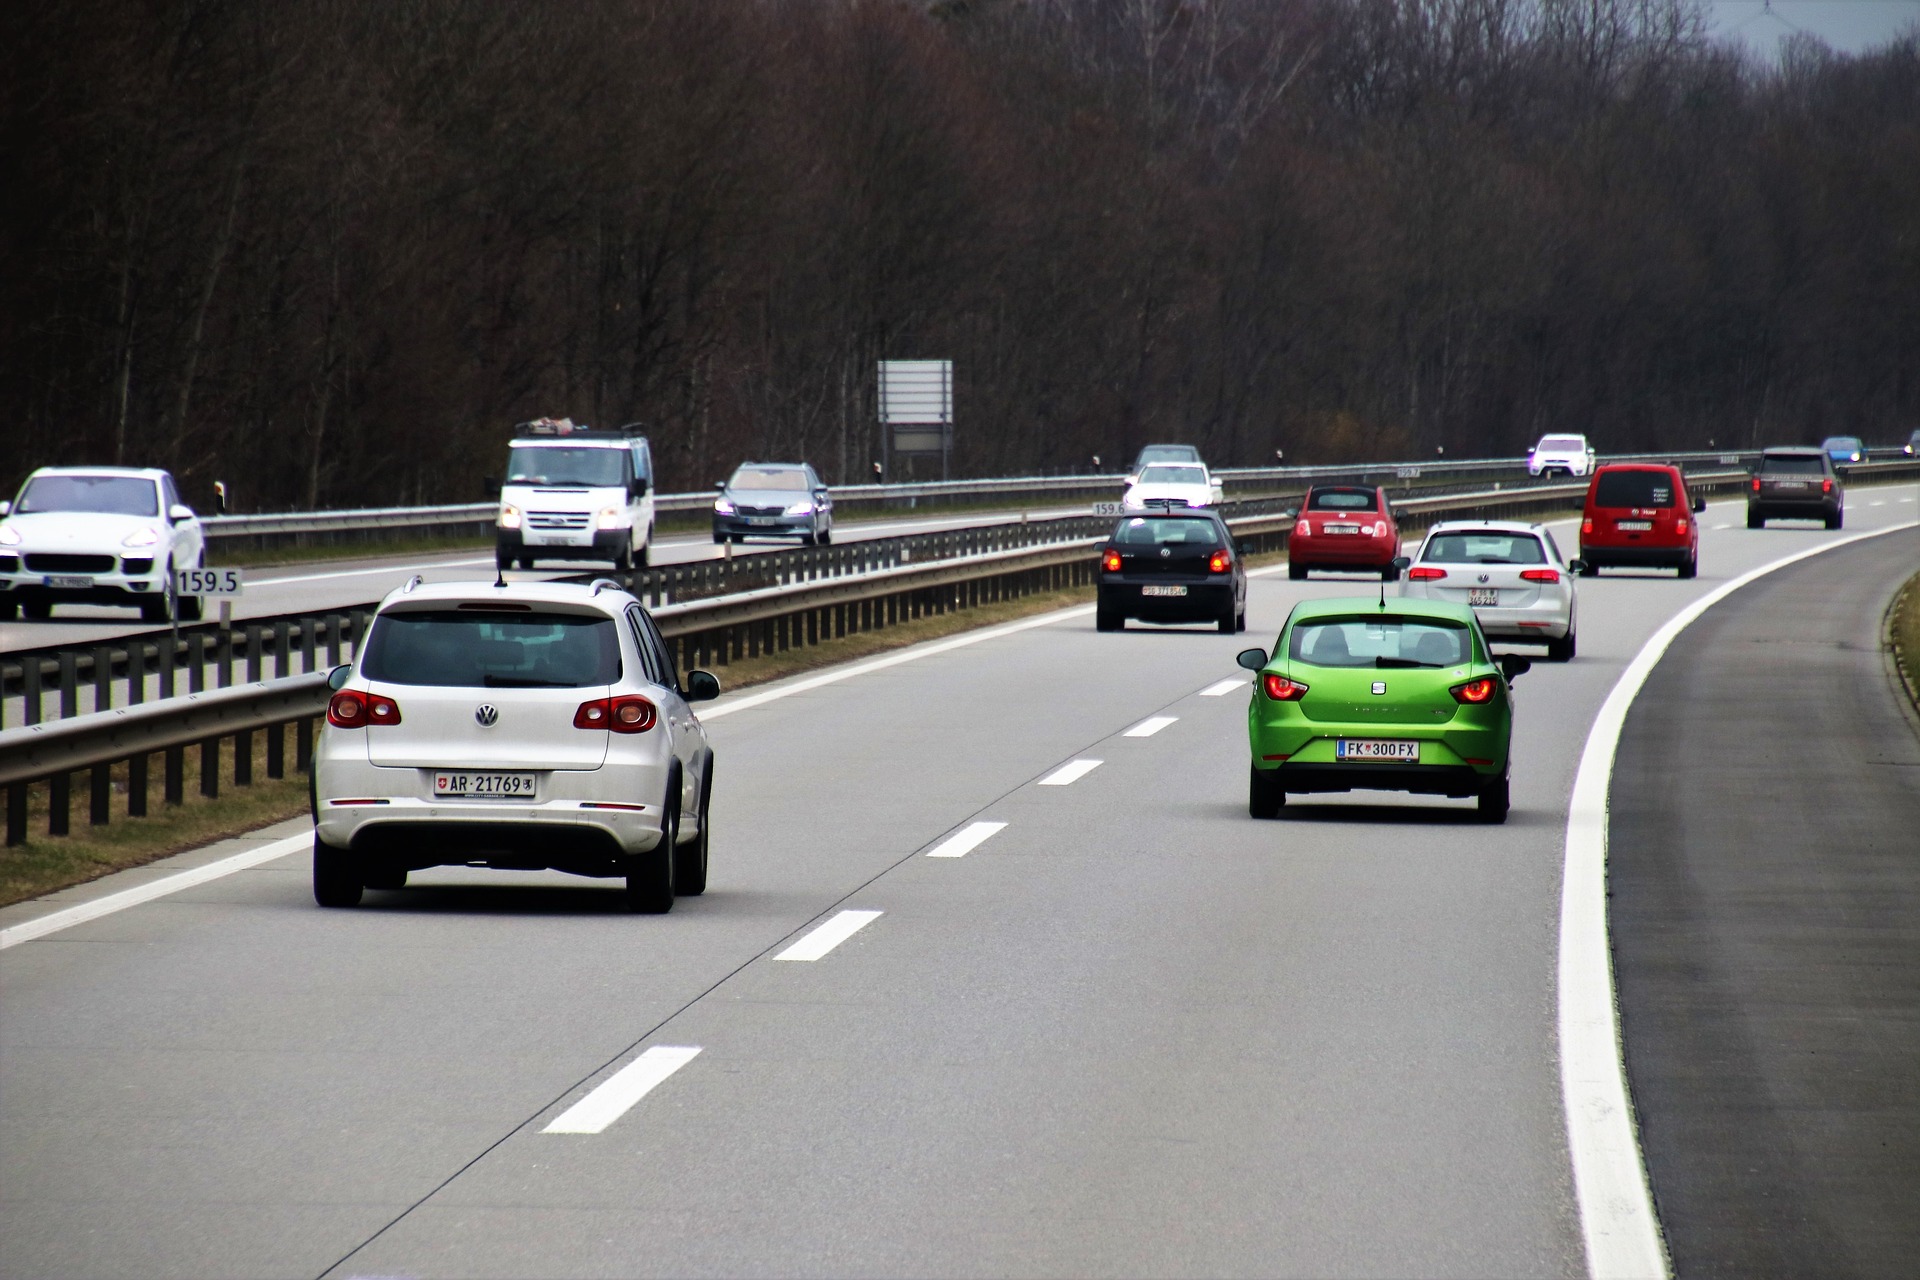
(1380, 641)
(1793, 464)
(1489, 547)
(492, 650)
(1343, 500)
(99, 495)
(1161, 533)
(1634, 489)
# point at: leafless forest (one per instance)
(329, 250)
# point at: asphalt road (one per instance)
(1766, 924)
(1132, 1032)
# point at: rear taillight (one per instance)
(1826, 486)
(1110, 562)
(1586, 526)
(1756, 484)
(1219, 562)
(1281, 689)
(352, 709)
(1540, 575)
(626, 714)
(1474, 692)
(1426, 573)
(1680, 524)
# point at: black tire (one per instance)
(525, 562)
(644, 558)
(9, 610)
(623, 559)
(1390, 574)
(826, 536)
(384, 877)
(1563, 649)
(156, 610)
(1690, 567)
(37, 610)
(336, 876)
(1240, 620)
(1755, 520)
(1107, 619)
(1494, 800)
(1838, 519)
(1296, 572)
(1589, 570)
(189, 608)
(1265, 796)
(650, 876)
(1229, 622)
(502, 561)
(690, 859)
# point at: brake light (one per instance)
(1756, 484)
(352, 709)
(1680, 524)
(1586, 526)
(1426, 573)
(1219, 562)
(1540, 575)
(628, 713)
(1281, 689)
(1110, 562)
(1474, 692)
(1826, 486)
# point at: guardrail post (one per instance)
(210, 768)
(197, 661)
(276, 750)
(224, 650)
(30, 693)
(137, 785)
(243, 758)
(136, 672)
(59, 802)
(282, 648)
(101, 790)
(306, 642)
(16, 814)
(69, 684)
(102, 678)
(167, 658)
(256, 656)
(303, 744)
(174, 775)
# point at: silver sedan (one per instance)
(1510, 573)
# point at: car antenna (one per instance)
(499, 574)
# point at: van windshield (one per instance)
(573, 466)
(450, 648)
(1634, 489)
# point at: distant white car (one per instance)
(98, 535)
(1563, 455)
(1179, 483)
(1511, 574)
(519, 726)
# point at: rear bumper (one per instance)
(1636, 557)
(1203, 602)
(763, 526)
(606, 544)
(1332, 551)
(1458, 781)
(1793, 508)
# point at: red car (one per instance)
(1347, 527)
(1639, 515)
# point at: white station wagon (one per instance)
(520, 726)
(1509, 573)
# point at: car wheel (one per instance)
(1240, 620)
(1755, 520)
(826, 536)
(644, 557)
(9, 610)
(1228, 622)
(690, 860)
(1561, 650)
(1690, 567)
(157, 610)
(336, 876)
(1837, 519)
(502, 561)
(526, 562)
(1494, 800)
(384, 877)
(1265, 796)
(1106, 619)
(1296, 572)
(650, 874)
(623, 560)
(37, 610)
(1589, 569)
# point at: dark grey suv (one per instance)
(1795, 484)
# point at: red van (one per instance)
(1639, 515)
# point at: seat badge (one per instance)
(1379, 686)
(487, 715)
(1165, 552)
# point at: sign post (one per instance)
(916, 408)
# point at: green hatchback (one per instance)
(1381, 695)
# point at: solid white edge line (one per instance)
(1617, 1218)
(826, 937)
(66, 918)
(1224, 688)
(966, 840)
(615, 1095)
(1150, 726)
(1070, 772)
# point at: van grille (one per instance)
(557, 519)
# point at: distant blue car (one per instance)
(1844, 450)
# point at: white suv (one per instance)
(572, 493)
(1570, 455)
(518, 726)
(98, 535)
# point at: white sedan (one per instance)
(1510, 573)
(1178, 484)
(518, 726)
(98, 535)
(1567, 455)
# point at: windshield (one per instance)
(1634, 489)
(1485, 547)
(107, 495)
(1159, 533)
(1342, 500)
(1167, 453)
(1383, 641)
(571, 465)
(1842, 444)
(1165, 473)
(1793, 464)
(492, 650)
(1564, 444)
(784, 479)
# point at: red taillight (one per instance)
(1540, 575)
(1474, 692)
(1826, 486)
(1586, 526)
(1756, 484)
(1680, 525)
(1426, 573)
(1110, 562)
(352, 709)
(1219, 562)
(1281, 689)
(626, 714)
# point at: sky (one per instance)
(1849, 26)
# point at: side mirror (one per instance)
(1699, 505)
(639, 487)
(1576, 566)
(1289, 512)
(1402, 563)
(1243, 549)
(220, 496)
(702, 686)
(820, 494)
(719, 486)
(1513, 666)
(6, 508)
(337, 678)
(179, 511)
(1131, 479)
(1252, 659)
(490, 487)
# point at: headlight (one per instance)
(612, 518)
(140, 538)
(9, 536)
(509, 516)
(722, 507)
(799, 508)
(1856, 457)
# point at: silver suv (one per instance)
(518, 726)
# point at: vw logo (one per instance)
(1483, 577)
(486, 715)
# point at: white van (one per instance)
(573, 493)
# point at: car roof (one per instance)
(1397, 606)
(1636, 466)
(1174, 513)
(1792, 451)
(775, 466)
(1485, 526)
(611, 599)
(137, 473)
(577, 439)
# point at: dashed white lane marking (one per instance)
(1224, 688)
(66, 919)
(617, 1094)
(1070, 773)
(966, 840)
(1722, 526)
(829, 935)
(1881, 503)
(1150, 726)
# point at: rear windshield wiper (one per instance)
(492, 681)
(1404, 662)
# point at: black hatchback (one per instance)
(1795, 484)
(1173, 565)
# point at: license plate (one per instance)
(1483, 596)
(504, 786)
(1634, 526)
(1396, 752)
(761, 520)
(1789, 484)
(1163, 591)
(68, 583)
(546, 539)
(1343, 528)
